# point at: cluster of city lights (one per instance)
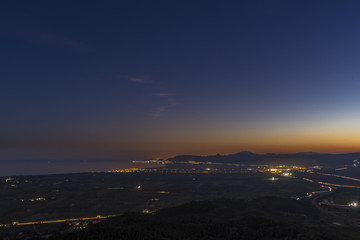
(353, 204)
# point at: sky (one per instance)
(154, 79)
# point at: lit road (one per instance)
(324, 194)
(56, 221)
(339, 176)
(319, 195)
(334, 184)
(338, 185)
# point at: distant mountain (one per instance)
(307, 153)
(231, 158)
(306, 158)
(262, 219)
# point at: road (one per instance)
(344, 219)
(317, 196)
(56, 221)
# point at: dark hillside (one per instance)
(264, 218)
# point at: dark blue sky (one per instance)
(159, 78)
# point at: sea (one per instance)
(42, 167)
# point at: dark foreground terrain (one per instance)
(262, 218)
(51, 197)
(266, 203)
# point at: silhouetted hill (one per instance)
(307, 153)
(225, 209)
(305, 158)
(231, 158)
(263, 218)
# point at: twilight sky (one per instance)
(120, 79)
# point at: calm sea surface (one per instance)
(15, 168)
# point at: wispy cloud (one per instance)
(161, 94)
(164, 98)
(136, 79)
(158, 112)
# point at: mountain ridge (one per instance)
(245, 156)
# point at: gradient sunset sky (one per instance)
(134, 79)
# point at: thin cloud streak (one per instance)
(161, 94)
(157, 112)
(136, 79)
